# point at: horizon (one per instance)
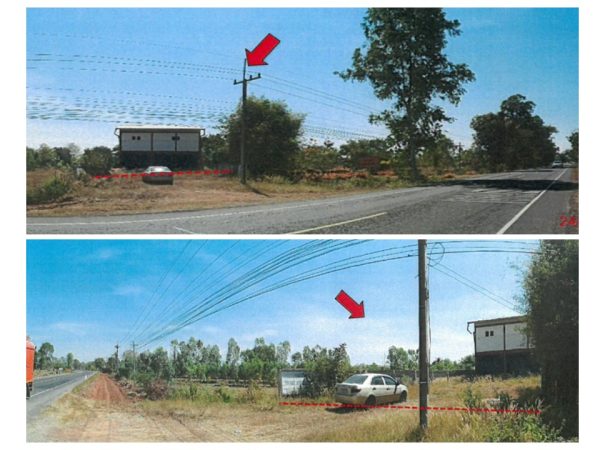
(110, 291)
(531, 51)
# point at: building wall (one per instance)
(503, 348)
(489, 338)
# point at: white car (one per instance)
(158, 175)
(370, 389)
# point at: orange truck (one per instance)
(29, 367)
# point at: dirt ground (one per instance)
(102, 412)
(188, 193)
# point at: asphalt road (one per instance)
(49, 389)
(520, 202)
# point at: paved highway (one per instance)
(49, 389)
(520, 202)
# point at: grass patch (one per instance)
(195, 192)
(403, 426)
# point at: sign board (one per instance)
(291, 381)
(369, 162)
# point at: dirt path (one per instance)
(102, 412)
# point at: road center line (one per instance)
(261, 209)
(520, 213)
(183, 230)
(338, 223)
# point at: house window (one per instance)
(489, 333)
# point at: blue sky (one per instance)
(86, 295)
(76, 57)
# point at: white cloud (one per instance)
(74, 328)
(129, 290)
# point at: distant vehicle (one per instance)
(158, 175)
(557, 164)
(30, 357)
(370, 389)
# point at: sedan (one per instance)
(370, 389)
(158, 175)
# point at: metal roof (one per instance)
(157, 128)
(499, 321)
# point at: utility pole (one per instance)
(117, 357)
(423, 334)
(244, 82)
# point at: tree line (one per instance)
(403, 60)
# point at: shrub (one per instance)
(97, 161)
(52, 190)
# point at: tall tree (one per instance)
(44, 356)
(70, 358)
(514, 137)
(551, 296)
(272, 136)
(405, 63)
(233, 353)
(573, 152)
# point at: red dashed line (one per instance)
(178, 174)
(432, 408)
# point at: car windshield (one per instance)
(356, 379)
(158, 169)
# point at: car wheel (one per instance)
(371, 401)
(403, 397)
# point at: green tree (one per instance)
(439, 155)
(99, 364)
(70, 359)
(283, 352)
(514, 138)
(46, 156)
(467, 363)
(316, 158)
(97, 160)
(272, 137)
(405, 63)
(551, 296)
(215, 150)
(328, 368)
(44, 356)
(573, 152)
(159, 363)
(233, 353)
(354, 152)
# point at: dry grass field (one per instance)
(188, 193)
(104, 411)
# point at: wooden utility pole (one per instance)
(117, 356)
(423, 334)
(244, 82)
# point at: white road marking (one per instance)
(184, 230)
(520, 213)
(205, 216)
(52, 388)
(338, 223)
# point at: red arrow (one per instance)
(257, 56)
(356, 310)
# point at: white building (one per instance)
(144, 145)
(502, 346)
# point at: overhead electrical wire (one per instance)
(313, 273)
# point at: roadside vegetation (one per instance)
(284, 164)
